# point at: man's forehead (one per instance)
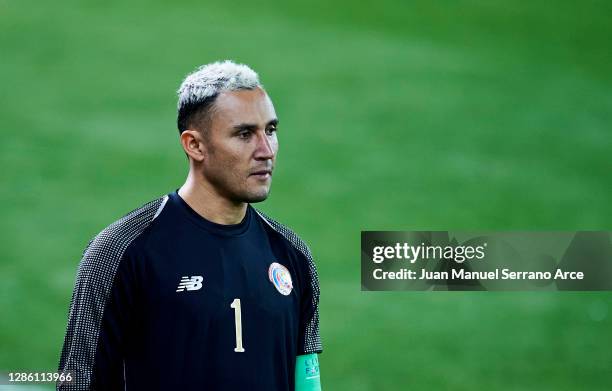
(244, 105)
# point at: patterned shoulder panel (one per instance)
(312, 342)
(108, 246)
(92, 289)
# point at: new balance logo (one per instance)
(193, 283)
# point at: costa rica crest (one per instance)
(281, 278)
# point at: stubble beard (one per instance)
(254, 198)
(233, 187)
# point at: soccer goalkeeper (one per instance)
(198, 290)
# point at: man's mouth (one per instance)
(262, 174)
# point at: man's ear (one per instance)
(193, 144)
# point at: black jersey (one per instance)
(167, 300)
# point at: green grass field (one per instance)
(457, 115)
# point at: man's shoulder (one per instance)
(113, 240)
(287, 233)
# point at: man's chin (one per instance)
(254, 198)
(256, 195)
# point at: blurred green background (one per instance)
(451, 115)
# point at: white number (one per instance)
(237, 315)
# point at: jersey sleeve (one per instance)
(103, 306)
(309, 336)
(98, 320)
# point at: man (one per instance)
(197, 290)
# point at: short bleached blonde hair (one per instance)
(200, 88)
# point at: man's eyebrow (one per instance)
(253, 127)
(245, 126)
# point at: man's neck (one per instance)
(202, 198)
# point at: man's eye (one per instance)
(244, 135)
(269, 131)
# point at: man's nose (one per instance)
(264, 149)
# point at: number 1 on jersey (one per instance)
(238, 317)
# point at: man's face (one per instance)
(241, 145)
